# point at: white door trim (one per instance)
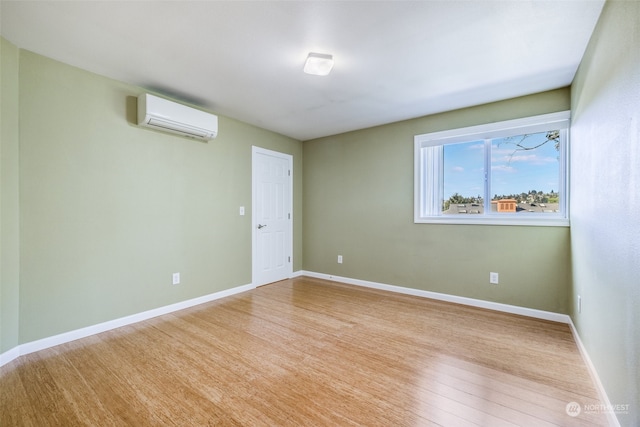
(254, 225)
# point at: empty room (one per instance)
(320, 213)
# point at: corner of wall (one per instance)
(9, 206)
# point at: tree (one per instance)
(519, 142)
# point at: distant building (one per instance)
(505, 205)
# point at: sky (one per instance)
(513, 171)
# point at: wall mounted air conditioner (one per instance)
(169, 116)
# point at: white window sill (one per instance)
(537, 221)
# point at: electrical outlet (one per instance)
(339, 259)
(493, 278)
(241, 210)
(176, 278)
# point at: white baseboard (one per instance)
(9, 355)
(611, 417)
(65, 337)
(514, 309)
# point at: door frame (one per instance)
(255, 150)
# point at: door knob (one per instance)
(261, 226)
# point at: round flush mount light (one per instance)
(318, 64)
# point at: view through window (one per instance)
(525, 175)
(508, 174)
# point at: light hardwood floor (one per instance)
(308, 352)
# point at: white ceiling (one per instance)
(394, 60)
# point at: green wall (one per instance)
(605, 203)
(109, 210)
(9, 205)
(358, 202)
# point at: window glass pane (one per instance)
(463, 178)
(525, 173)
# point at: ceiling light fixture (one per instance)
(318, 64)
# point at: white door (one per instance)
(272, 216)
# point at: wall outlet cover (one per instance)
(493, 278)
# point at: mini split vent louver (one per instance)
(169, 116)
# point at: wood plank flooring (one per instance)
(308, 352)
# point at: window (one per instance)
(512, 172)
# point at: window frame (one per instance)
(428, 198)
